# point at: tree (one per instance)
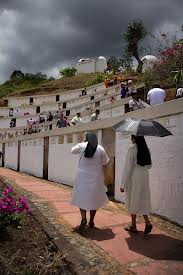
(113, 64)
(40, 76)
(126, 62)
(17, 75)
(51, 78)
(134, 34)
(68, 72)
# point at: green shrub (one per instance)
(98, 79)
(68, 72)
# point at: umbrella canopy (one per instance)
(141, 127)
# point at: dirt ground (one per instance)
(26, 250)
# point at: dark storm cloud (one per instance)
(41, 35)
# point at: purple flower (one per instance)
(11, 204)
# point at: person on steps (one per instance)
(89, 190)
(135, 181)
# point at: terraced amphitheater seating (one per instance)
(68, 106)
(47, 155)
(106, 108)
(55, 97)
(100, 100)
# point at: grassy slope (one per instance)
(23, 88)
(20, 88)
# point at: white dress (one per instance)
(135, 180)
(89, 190)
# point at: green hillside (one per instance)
(16, 87)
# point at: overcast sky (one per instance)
(45, 35)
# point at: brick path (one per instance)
(158, 253)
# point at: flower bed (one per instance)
(163, 71)
(24, 246)
(12, 208)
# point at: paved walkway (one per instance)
(158, 253)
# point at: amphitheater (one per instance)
(47, 154)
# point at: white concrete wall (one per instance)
(87, 67)
(4, 111)
(31, 157)
(11, 155)
(62, 164)
(15, 102)
(20, 121)
(166, 175)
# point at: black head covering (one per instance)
(91, 146)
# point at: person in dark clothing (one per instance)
(84, 92)
(124, 90)
(61, 122)
(115, 80)
(12, 124)
(41, 118)
(50, 117)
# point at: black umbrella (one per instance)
(141, 127)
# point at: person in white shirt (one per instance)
(30, 122)
(95, 116)
(179, 93)
(89, 190)
(77, 119)
(41, 118)
(11, 112)
(135, 103)
(130, 87)
(156, 96)
(15, 112)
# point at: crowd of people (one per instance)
(33, 125)
(155, 96)
(62, 120)
(110, 82)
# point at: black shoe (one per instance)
(131, 229)
(148, 228)
(91, 224)
(82, 226)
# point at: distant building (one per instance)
(148, 61)
(86, 65)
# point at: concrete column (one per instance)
(65, 139)
(3, 154)
(99, 136)
(45, 157)
(18, 157)
(108, 142)
(75, 138)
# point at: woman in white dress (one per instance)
(89, 190)
(135, 181)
